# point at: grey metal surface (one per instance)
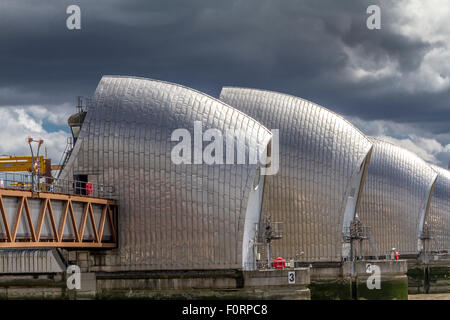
(438, 216)
(15, 261)
(170, 216)
(321, 158)
(395, 198)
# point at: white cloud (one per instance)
(424, 21)
(427, 21)
(20, 122)
(360, 68)
(57, 115)
(429, 150)
(408, 136)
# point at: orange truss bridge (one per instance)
(46, 219)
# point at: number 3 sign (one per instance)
(291, 277)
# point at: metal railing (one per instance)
(23, 181)
(356, 231)
(269, 231)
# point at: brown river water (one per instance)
(433, 296)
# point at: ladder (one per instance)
(65, 155)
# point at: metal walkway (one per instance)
(46, 219)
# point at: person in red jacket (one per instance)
(88, 188)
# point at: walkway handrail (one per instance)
(23, 181)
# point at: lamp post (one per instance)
(35, 185)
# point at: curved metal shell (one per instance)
(395, 198)
(322, 164)
(438, 216)
(170, 216)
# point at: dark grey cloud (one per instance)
(297, 47)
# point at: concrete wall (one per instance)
(348, 281)
(205, 285)
(219, 284)
(393, 280)
(433, 277)
(321, 281)
(24, 286)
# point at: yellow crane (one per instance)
(20, 163)
(38, 166)
(25, 163)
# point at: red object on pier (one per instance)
(279, 263)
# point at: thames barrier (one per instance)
(307, 207)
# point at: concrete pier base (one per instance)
(349, 280)
(24, 286)
(328, 282)
(220, 284)
(431, 277)
(253, 285)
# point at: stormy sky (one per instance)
(392, 83)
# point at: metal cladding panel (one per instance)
(30, 261)
(319, 154)
(187, 216)
(438, 216)
(395, 198)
